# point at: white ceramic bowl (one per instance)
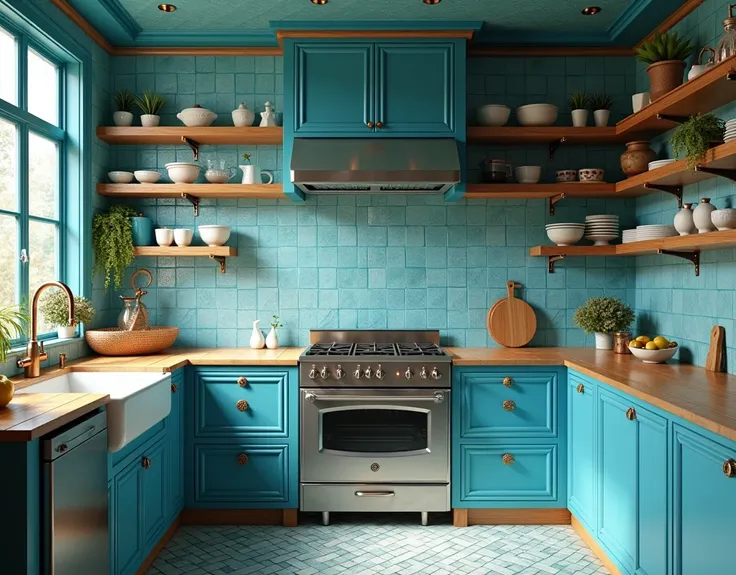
(528, 174)
(492, 115)
(724, 219)
(654, 355)
(214, 235)
(536, 114)
(183, 236)
(565, 236)
(566, 176)
(120, 177)
(197, 116)
(164, 237)
(591, 175)
(183, 172)
(147, 176)
(217, 176)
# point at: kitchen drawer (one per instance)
(239, 403)
(241, 473)
(524, 406)
(376, 497)
(510, 472)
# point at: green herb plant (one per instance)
(246, 157)
(150, 102)
(112, 243)
(275, 323)
(600, 102)
(694, 137)
(55, 310)
(603, 314)
(124, 101)
(579, 101)
(667, 46)
(12, 321)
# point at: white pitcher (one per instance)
(254, 175)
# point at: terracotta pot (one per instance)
(635, 160)
(664, 77)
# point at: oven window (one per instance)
(374, 430)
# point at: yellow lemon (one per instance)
(7, 390)
(644, 338)
(651, 345)
(636, 343)
(661, 341)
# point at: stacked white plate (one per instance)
(601, 229)
(565, 234)
(659, 163)
(730, 131)
(628, 236)
(654, 232)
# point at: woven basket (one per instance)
(114, 341)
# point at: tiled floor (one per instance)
(372, 546)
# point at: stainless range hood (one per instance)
(375, 165)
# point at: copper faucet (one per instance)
(35, 353)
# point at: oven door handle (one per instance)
(374, 494)
(436, 397)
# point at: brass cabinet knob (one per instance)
(581, 388)
(379, 125)
(369, 124)
(242, 459)
(729, 468)
(145, 462)
(174, 388)
(242, 405)
(631, 414)
(242, 382)
(508, 382)
(507, 459)
(509, 405)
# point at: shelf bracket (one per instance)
(551, 263)
(731, 76)
(671, 118)
(554, 145)
(674, 190)
(220, 260)
(193, 145)
(553, 200)
(194, 200)
(692, 257)
(724, 173)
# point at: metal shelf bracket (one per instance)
(671, 118)
(692, 257)
(554, 145)
(674, 190)
(193, 145)
(731, 76)
(220, 260)
(551, 263)
(194, 200)
(553, 200)
(724, 173)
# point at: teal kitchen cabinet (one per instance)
(175, 429)
(582, 466)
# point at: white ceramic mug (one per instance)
(164, 237)
(254, 175)
(183, 236)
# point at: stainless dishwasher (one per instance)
(74, 496)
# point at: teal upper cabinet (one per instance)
(361, 89)
(581, 462)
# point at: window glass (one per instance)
(43, 176)
(8, 165)
(9, 68)
(9, 260)
(43, 88)
(43, 247)
(374, 430)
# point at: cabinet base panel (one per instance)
(465, 517)
(285, 517)
(168, 534)
(594, 546)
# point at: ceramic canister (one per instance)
(142, 231)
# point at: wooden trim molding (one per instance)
(542, 51)
(594, 546)
(203, 51)
(335, 34)
(459, 517)
(165, 538)
(285, 517)
(688, 7)
(465, 517)
(85, 26)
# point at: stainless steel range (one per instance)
(375, 422)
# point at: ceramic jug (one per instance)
(268, 117)
(256, 337)
(254, 175)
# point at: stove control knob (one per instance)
(357, 372)
(408, 374)
(339, 372)
(423, 373)
(313, 372)
(380, 374)
(323, 372)
(435, 373)
(367, 373)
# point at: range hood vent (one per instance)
(375, 165)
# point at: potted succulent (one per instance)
(601, 105)
(602, 316)
(665, 55)
(112, 243)
(693, 138)
(55, 310)
(12, 320)
(123, 115)
(272, 340)
(579, 102)
(150, 104)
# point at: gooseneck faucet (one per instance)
(35, 353)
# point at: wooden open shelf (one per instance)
(532, 191)
(172, 135)
(218, 253)
(542, 135)
(572, 251)
(195, 190)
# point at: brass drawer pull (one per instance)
(379, 125)
(242, 459)
(507, 459)
(242, 382)
(631, 414)
(242, 405)
(581, 388)
(369, 124)
(508, 382)
(146, 462)
(509, 405)
(174, 388)
(729, 468)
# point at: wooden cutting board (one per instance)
(511, 321)
(716, 353)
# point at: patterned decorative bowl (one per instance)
(197, 116)
(566, 175)
(591, 175)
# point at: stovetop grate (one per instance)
(375, 349)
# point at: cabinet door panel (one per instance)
(582, 465)
(175, 431)
(154, 492)
(126, 520)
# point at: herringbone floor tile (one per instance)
(377, 545)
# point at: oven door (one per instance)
(375, 435)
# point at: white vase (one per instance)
(701, 216)
(65, 331)
(579, 118)
(256, 337)
(122, 118)
(601, 117)
(603, 340)
(150, 120)
(684, 223)
(272, 340)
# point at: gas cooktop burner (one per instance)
(374, 349)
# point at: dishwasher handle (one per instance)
(73, 436)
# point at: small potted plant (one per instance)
(601, 105)
(579, 102)
(666, 54)
(54, 308)
(123, 115)
(272, 340)
(694, 137)
(12, 320)
(112, 243)
(602, 316)
(150, 104)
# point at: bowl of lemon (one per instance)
(656, 350)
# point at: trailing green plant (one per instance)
(124, 101)
(600, 102)
(246, 157)
(150, 102)
(694, 137)
(55, 310)
(579, 101)
(275, 323)
(667, 46)
(13, 320)
(112, 242)
(603, 314)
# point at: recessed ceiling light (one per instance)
(166, 7)
(591, 10)
(432, 1)
(319, 2)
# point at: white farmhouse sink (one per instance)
(138, 401)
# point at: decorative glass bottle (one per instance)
(727, 44)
